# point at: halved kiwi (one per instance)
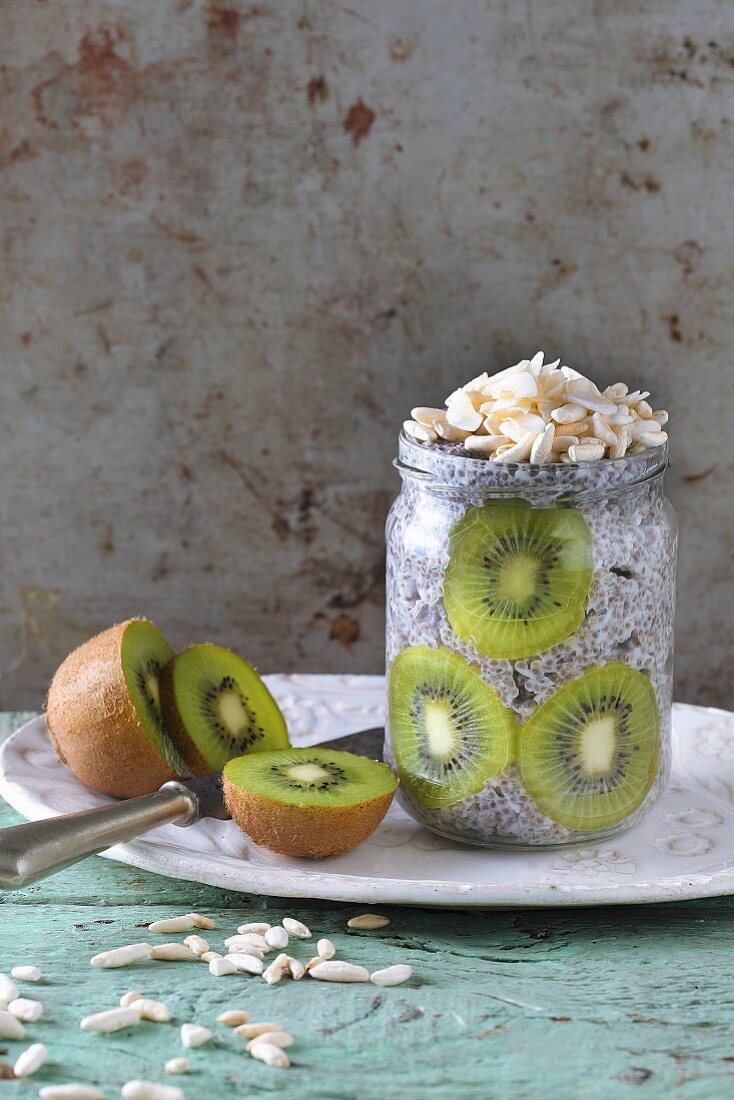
(448, 730)
(589, 755)
(517, 577)
(216, 707)
(103, 711)
(307, 802)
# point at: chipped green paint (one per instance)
(597, 1003)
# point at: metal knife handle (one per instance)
(40, 848)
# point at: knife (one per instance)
(40, 848)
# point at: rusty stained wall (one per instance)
(240, 241)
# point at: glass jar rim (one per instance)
(441, 470)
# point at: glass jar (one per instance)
(529, 644)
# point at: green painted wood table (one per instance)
(607, 1002)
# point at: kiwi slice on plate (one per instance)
(517, 577)
(308, 802)
(589, 755)
(103, 711)
(216, 707)
(448, 730)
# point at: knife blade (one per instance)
(37, 849)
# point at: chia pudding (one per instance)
(530, 600)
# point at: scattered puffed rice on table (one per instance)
(10, 1027)
(368, 922)
(177, 1065)
(31, 1060)
(172, 952)
(121, 956)
(130, 998)
(149, 1090)
(152, 1010)
(258, 927)
(276, 937)
(194, 1035)
(8, 989)
(26, 973)
(206, 923)
(392, 975)
(173, 924)
(271, 1055)
(70, 1092)
(337, 971)
(233, 1017)
(275, 971)
(325, 949)
(209, 955)
(296, 928)
(295, 968)
(280, 1039)
(197, 944)
(112, 1019)
(220, 968)
(245, 963)
(249, 939)
(251, 1031)
(26, 1010)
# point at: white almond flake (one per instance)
(616, 392)
(70, 1092)
(536, 365)
(194, 1035)
(26, 1010)
(462, 414)
(521, 385)
(518, 452)
(592, 401)
(173, 924)
(337, 971)
(26, 973)
(476, 384)
(392, 975)
(568, 413)
(31, 1060)
(233, 1017)
(113, 1019)
(636, 397)
(418, 432)
(121, 956)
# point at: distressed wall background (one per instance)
(239, 242)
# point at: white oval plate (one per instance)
(683, 849)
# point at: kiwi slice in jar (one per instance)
(308, 803)
(449, 731)
(589, 755)
(517, 577)
(216, 707)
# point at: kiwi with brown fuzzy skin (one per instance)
(307, 803)
(103, 714)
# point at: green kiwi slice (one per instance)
(308, 802)
(216, 707)
(144, 652)
(449, 731)
(517, 577)
(589, 755)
